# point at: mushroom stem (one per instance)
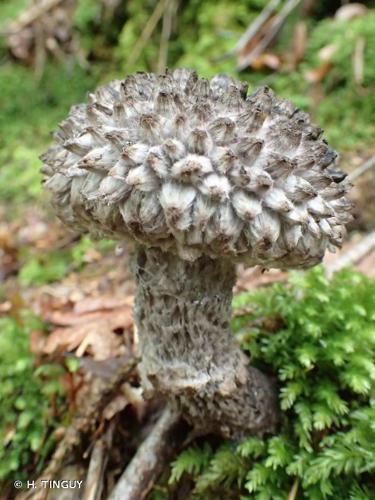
(189, 354)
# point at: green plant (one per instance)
(26, 390)
(318, 338)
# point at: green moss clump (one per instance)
(26, 419)
(30, 111)
(318, 339)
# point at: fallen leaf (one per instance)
(96, 336)
(37, 341)
(266, 60)
(123, 316)
(317, 75)
(90, 304)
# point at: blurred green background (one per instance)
(202, 34)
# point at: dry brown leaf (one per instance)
(266, 60)
(93, 333)
(37, 341)
(122, 316)
(317, 75)
(96, 338)
(91, 304)
(101, 346)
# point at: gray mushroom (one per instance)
(200, 177)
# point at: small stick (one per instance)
(165, 35)
(98, 461)
(293, 492)
(147, 31)
(358, 60)
(273, 30)
(354, 254)
(81, 424)
(255, 26)
(362, 169)
(138, 478)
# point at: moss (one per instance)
(30, 112)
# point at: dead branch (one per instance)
(354, 254)
(274, 29)
(150, 458)
(362, 169)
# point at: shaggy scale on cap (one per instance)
(195, 167)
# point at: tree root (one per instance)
(150, 458)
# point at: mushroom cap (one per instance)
(195, 167)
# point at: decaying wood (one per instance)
(82, 424)
(150, 458)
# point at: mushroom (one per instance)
(200, 177)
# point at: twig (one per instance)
(147, 31)
(165, 35)
(362, 169)
(277, 23)
(255, 26)
(82, 424)
(150, 458)
(358, 60)
(293, 492)
(354, 254)
(98, 461)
